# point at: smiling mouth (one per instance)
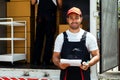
(74, 24)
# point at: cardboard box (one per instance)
(18, 8)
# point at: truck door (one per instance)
(109, 35)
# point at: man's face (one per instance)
(74, 20)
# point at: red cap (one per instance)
(74, 10)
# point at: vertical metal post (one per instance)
(93, 30)
(12, 39)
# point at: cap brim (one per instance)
(73, 13)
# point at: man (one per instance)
(75, 44)
(45, 31)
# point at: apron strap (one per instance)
(84, 36)
(65, 36)
(65, 77)
(82, 75)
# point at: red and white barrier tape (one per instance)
(13, 78)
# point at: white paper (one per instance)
(72, 62)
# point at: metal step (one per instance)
(30, 73)
(110, 76)
(49, 74)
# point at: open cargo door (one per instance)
(109, 35)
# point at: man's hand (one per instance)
(33, 2)
(63, 65)
(84, 65)
(56, 61)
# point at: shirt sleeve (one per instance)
(91, 42)
(37, 1)
(54, 1)
(58, 43)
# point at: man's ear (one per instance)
(67, 19)
(81, 18)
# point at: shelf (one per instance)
(12, 39)
(11, 22)
(14, 23)
(14, 57)
(11, 57)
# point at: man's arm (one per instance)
(59, 2)
(95, 58)
(56, 58)
(33, 2)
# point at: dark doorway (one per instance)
(3, 29)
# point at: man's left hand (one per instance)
(84, 66)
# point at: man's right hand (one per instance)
(63, 65)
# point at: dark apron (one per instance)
(75, 50)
